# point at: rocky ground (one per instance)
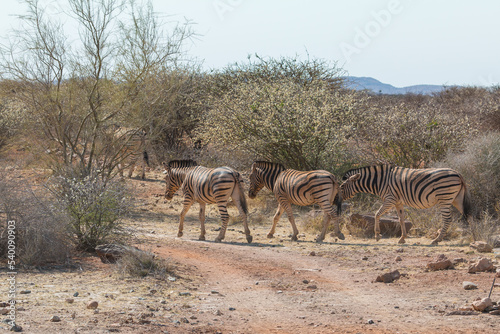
(269, 286)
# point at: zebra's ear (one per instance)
(354, 177)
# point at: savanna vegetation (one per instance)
(73, 107)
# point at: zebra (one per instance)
(417, 188)
(134, 149)
(206, 186)
(300, 188)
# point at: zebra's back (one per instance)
(424, 188)
(210, 185)
(305, 188)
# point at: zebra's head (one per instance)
(256, 182)
(348, 186)
(172, 184)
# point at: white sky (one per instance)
(400, 42)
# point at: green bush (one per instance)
(288, 117)
(95, 208)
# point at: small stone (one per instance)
(389, 277)
(313, 253)
(440, 263)
(232, 309)
(469, 285)
(172, 279)
(305, 281)
(484, 264)
(4, 311)
(370, 322)
(70, 300)
(92, 305)
(481, 305)
(214, 292)
(16, 328)
(184, 294)
(481, 247)
(75, 294)
(365, 258)
(24, 292)
(312, 287)
(218, 313)
(398, 258)
(400, 250)
(55, 318)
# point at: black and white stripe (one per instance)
(133, 150)
(207, 186)
(299, 188)
(417, 188)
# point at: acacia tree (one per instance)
(79, 93)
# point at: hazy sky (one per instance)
(400, 42)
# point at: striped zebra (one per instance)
(299, 188)
(417, 188)
(206, 186)
(134, 149)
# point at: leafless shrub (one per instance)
(40, 229)
(144, 264)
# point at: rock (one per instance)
(389, 227)
(92, 305)
(481, 305)
(75, 294)
(484, 264)
(70, 300)
(440, 263)
(4, 311)
(481, 247)
(16, 328)
(55, 318)
(218, 313)
(312, 287)
(469, 285)
(110, 253)
(184, 294)
(313, 253)
(398, 258)
(24, 292)
(389, 277)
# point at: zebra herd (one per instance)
(396, 186)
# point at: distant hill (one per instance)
(377, 87)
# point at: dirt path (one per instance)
(269, 286)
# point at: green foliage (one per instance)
(300, 122)
(95, 209)
(408, 134)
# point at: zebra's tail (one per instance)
(338, 197)
(241, 192)
(145, 157)
(466, 204)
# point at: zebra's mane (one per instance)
(353, 171)
(182, 163)
(268, 163)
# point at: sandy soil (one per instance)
(269, 286)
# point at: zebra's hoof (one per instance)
(249, 238)
(435, 242)
(179, 234)
(294, 238)
(378, 237)
(218, 239)
(319, 239)
(201, 238)
(341, 236)
(401, 241)
(270, 236)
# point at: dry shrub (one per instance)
(40, 230)
(144, 264)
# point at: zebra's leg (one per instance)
(446, 214)
(244, 217)
(131, 170)
(289, 212)
(185, 208)
(276, 217)
(401, 215)
(225, 219)
(202, 221)
(143, 168)
(328, 216)
(386, 206)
